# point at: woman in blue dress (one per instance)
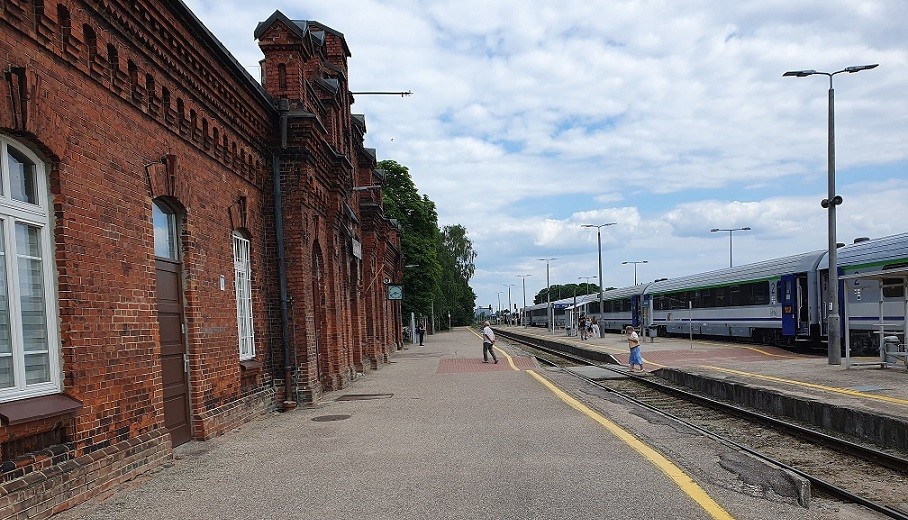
(633, 343)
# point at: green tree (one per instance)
(441, 260)
(419, 220)
(456, 255)
(560, 292)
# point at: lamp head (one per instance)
(858, 68)
(800, 73)
(714, 230)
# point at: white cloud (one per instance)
(670, 118)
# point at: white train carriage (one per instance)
(620, 307)
(767, 301)
(875, 301)
(538, 315)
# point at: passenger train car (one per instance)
(767, 301)
(780, 301)
(869, 301)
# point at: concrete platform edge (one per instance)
(881, 430)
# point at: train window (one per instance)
(734, 296)
(893, 288)
(761, 293)
(722, 298)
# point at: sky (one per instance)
(530, 118)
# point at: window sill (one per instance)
(37, 408)
(251, 364)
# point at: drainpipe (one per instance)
(289, 404)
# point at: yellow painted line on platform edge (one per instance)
(844, 391)
(503, 353)
(684, 482)
(761, 351)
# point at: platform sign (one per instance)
(559, 306)
(395, 292)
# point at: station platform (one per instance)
(865, 401)
(438, 434)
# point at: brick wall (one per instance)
(46, 489)
(132, 101)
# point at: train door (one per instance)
(802, 306)
(788, 300)
(635, 311)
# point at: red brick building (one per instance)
(183, 247)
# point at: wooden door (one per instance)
(173, 361)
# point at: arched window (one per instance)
(113, 59)
(165, 103)
(166, 231)
(242, 276)
(181, 114)
(150, 93)
(65, 22)
(282, 76)
(29, 348)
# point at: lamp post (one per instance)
(599, 238)
(509, 285)
(412, 316)
(834, 348)
(730, 231)
(587, 278)
(548, 294)
(523, 310)
(499, 305)
(635, 262)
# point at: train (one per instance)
(781, 301)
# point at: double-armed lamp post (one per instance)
(635, 262)
(730, 231)
(523, 310)
(834, 349)
(599, 238)
(548, 294)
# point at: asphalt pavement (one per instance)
(437, 434)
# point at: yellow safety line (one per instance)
(505, 354)
(761, 351)
(687, 484)
(844, 391)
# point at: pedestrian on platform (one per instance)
(488, 341)
(421, 332)
(633, 343)
(595, 325)
(588, 326)
(581, 327)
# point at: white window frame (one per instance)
(242, 286)
(37, 215)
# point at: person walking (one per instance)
(488, 341)
(421, 332)
(595, 326)
(633, 343)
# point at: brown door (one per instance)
(173, 352)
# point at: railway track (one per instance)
(835, 466)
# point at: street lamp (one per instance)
(412, 314)
(499, 305)
(730, 231)
(834, 348)
(548, 294)
(587, 278)
(523, 310)
(509, 285)
(635, 262)
(599, 237)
